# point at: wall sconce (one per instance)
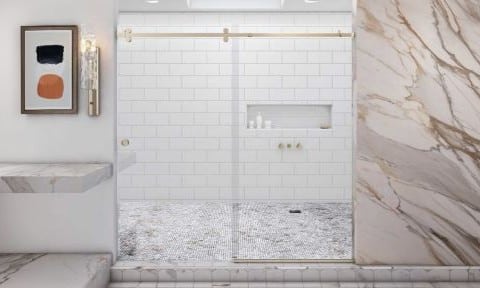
(90, 72)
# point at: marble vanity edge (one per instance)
(59, 178)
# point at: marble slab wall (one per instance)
(418, 130)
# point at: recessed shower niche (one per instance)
(291, 116)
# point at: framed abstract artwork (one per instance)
(49, 69)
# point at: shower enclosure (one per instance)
(241, 126)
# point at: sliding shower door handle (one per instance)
(125, 142)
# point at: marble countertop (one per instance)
(52, 177)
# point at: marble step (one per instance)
(54, 270)
(124, 271)
(297, 285)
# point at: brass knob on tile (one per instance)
(125, 142)
(299, 146)
(289, 146)
(281, 146)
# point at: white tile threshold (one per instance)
(216, 272)
(297, 285)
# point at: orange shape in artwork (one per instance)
(50, 86)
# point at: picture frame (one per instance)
(49, 69)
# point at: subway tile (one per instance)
(269, 57)
(194, 106)
(144, 131)
(210, 118)
(182, 69)
(144, 57)
(282, 69)
(144, 81)
(306, 44)
(182, 143)
(143, 106)
(182, 44)
(157, 168)
(164, 107)
(156, 118)
(156, 94)
(131, 119)
(155, 45)
(219, 82)
(257, 45)
(181, 119)
(130, 69)
(320, 82)
(294, 82)
(307, 69)
(166, 156)
(206, 44)
(194, 57)
(207, 69)
(168, 82)
(124, 82)
(282, 44)
(156, 69)
(256, 69)
(169, 57)
(194, 156)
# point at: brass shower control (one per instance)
(289, 146)
(281, 146)
(299, 146)
(125, 142)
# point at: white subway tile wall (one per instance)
(176, 98)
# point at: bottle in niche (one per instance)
(267, 124)
(259, 120)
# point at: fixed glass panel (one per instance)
(295, 152)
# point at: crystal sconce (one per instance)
(90, 72)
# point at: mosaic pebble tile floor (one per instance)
(202, 231)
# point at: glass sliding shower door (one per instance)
(175, 108)
(243, 147)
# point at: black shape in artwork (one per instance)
(50, 54)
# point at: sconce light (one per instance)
(90, 72)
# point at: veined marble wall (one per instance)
(418, 131)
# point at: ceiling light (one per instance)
(151, 1)
(235, 4)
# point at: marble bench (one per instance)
(54, 270)
(52, 177)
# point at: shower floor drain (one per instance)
(295, 211)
